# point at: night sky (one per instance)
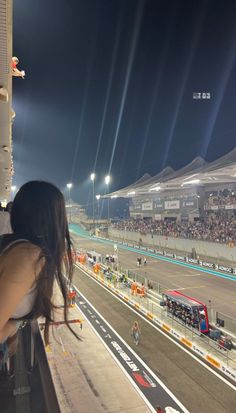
(109, 88)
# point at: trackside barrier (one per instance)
(199, 351)
(224, 269)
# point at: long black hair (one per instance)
(39, 215)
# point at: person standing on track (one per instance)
(136, 333)
(139, 262)
(134, 288)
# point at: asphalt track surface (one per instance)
(198, 389)
(202, 285)
(142, 378)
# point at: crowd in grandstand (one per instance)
(220, 198)
(215, 227)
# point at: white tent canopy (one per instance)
(196, 173)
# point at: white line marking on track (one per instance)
(190, 288)
(163, 333)
(136, 355)
(182, 275)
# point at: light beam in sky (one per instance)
(136, 30)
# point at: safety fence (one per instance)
(224, 320)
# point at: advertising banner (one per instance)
(175, 204)
(190, 203)
(147, 206)
(206, 264)
(216, 207)
(179, 257)
(158, 206)
(192, 260)
(136, 207)
(224, 268)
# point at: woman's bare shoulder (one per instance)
(21, 258)
(23, 250)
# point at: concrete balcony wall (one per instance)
(6, 167)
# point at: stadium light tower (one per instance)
(98, 198)
(92, 177)
(69, 186)
(107, 182)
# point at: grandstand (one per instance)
(185, 194)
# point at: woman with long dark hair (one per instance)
(38, 252)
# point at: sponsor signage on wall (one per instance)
(168, 254)
(137, 207)
(175, 204)
(191, 260)
(215, 207)
(206, 264)
(158, 206)
(147, 206)
(211, 265)
(223, 268)
(189, 203)
(179, 257)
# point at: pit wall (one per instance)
(203, 248)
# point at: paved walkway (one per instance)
(86, 377)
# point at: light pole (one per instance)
(92, 177)
(13, 189)
(107, 181)
(69, 186)
(97, 198)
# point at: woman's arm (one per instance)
(9, 329)
(19, 268)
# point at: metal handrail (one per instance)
(49, 393)
(28, 387)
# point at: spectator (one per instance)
(5, 224)
(15, 71)
(37, 253)
(216, 227)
